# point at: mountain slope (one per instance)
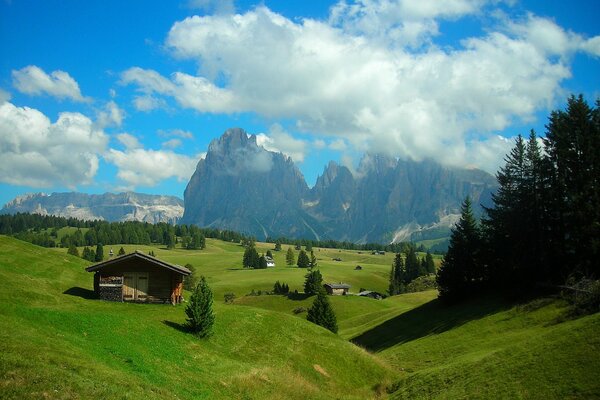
(108, 206)
(57, 342)
(242, 186)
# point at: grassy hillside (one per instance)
(56, 342)
(490, 349)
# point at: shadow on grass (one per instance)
(180, 327)
(430, 318)
(298, 296)
(81, 292)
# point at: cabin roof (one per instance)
(337, 285)
(139, 255)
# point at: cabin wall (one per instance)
(163, 285)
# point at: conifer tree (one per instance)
(313, 260)
(73, 250)
(121, 251)
(99, 256)
(313, 282)
(262, 262)
(290, 258)
(303, 260)
(397, 276)
(461, 270)
(200, 316)
(429, 264)
(321, 313)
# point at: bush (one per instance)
(299, 310)
(422, 283)
(584, 295)
(199, 310)
(191, 281)
(229, 297)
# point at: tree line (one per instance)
(544, 225)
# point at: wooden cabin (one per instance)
(140, 278)
(336, 288)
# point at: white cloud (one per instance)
(367, 85)
(338, 145)
(36, 152)
(111, 115)
(148, 103)
(279, 140)
(129, 141)
(177, 133)
(4, 96)
(148, 167)
(33, 80)
(172, 144)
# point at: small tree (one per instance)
(278, 245)
(121, 251)
(303, 260)
(191, 281)
(251, 258)
(321, 313)
(429, 264)
(397, 276)
(99, 252)
(199, 310)
(313, 281)
(73, 250)
(229, 297)
(262, 262)
(269, 253)
(313, 260)
(290, 257)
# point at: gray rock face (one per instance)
(109, 206)
(243, 187)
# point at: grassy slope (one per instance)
(486, 349)
(490, 349)
(61, 345)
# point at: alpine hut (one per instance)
(138, 277)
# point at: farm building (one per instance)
(336, 288)
(138, 277)
(270, 262)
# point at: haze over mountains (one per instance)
(241, 186)
(109, 206)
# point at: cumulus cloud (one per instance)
(172, 144)
(177, 133)
(358, 76)
(280, 141)
(37, 152)
(129, 141)
(110, 115)
(34, 81)
(148, 167)
(4, 96)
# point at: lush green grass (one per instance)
(490, 349)
(56, 342)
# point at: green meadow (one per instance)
(58, 342)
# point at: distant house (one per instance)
(358, 268)
(371, 294)
(140, 278)
(270, 262)
(378, 252)
(336, 288)
(337, 259)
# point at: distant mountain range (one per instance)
(241, 186)
(110, 207)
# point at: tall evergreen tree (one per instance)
(200, 316)
(303, 260)
(290, 258)
(251, 258)
(429, 264)
(461, 270)
(321, 313)
(412, 263)
(99, 252)
(313, 260)
(397, 276)
(313, 282)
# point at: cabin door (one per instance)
(135, 286)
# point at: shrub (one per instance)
(199, 310)
(229, 297)
(299, 310)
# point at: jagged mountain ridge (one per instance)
(113, 207)
(242, 186)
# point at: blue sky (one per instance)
(100, 96)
